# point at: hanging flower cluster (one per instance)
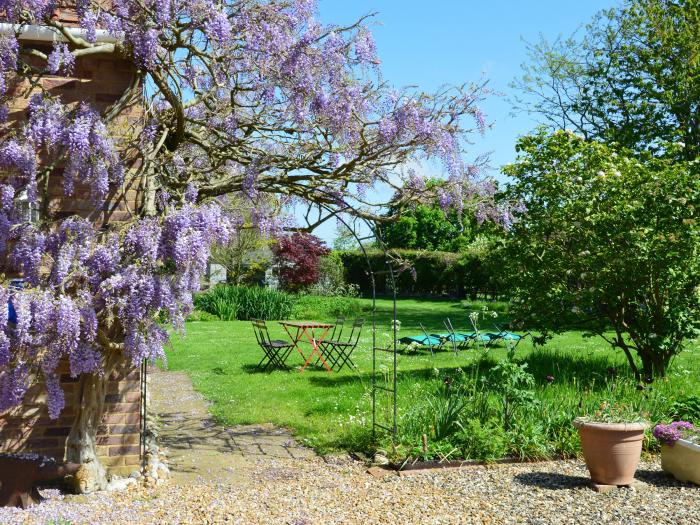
(78, 285)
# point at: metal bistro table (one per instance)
(298, 329)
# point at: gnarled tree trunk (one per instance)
(81, 445)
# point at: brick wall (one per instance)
(28, 428)
(101, 81)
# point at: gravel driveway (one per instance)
(313, 491)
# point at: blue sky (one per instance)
(430, 44)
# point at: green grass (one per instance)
(333, 410)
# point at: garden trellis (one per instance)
(384, 383)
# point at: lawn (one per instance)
(333, 410)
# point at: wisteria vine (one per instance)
(254, 97)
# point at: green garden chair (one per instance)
(459, 341)
(505, 335)
(431, 341)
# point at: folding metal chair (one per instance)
(276, 350)
(338, 352)
(336, 334)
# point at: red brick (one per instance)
(57, 431)
(133, 460)
(124, 450)
(120, 408)
(60, 83)
(132, 397)
(106, 97)
(43, 443)
(124, 439)
(114, 419)
(124, 429)
(28, 428)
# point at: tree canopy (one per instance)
(428, 228)
(632, 78)
(437, 225)
(608, 241)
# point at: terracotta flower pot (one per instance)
(611, 450)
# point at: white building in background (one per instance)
(216, 274)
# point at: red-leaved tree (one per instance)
(298, 258)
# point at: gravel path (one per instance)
(303, 488)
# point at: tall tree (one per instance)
(609, 241)
(298, 259)
(243, 256)
(438, 225)
(247, 96)
(632, 78)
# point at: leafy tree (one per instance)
(237, 252)
(633, 78)
(298, 258)
(437, 225)
(428, 228)
(344, 239)
(242, 254)
(249, 96)
(607, 241)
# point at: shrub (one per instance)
(201, 316)
(609, 241)
(245, 303)
(444, 415)
(482, 441)
(527, 440)
(686, 408)
(423, 274)
(331, 281)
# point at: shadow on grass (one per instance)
(591, 372)
(551, 480)
(569, 368)
(334, 381)
(250, 368)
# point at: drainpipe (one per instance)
(48, 34)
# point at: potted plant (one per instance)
(680, 450)
(611, 439)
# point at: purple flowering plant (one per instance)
(668, 434)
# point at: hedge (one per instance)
(423, 273)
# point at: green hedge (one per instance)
(424, 273)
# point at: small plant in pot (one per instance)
(611, 439)
(680, 450)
